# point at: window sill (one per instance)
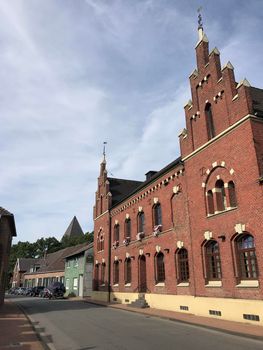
(116, 285)
(160, 284)
(214, 284)
(221, 212)
(102, 285)
(183, 284)
(127, 285)
(248, 284)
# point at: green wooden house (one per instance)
(78, 271)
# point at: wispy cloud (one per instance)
(77, 73)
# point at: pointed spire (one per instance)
(103, 163)
(104, 151)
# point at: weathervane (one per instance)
(104, 149)
(200, 20)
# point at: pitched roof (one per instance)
(74, 229)
(10, 217)
(120, 188)
(24, 264)
(127, 192)
(81, 250)
(55, 261)
(257, 98)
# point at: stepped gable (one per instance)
(74, 229)
(121, 188)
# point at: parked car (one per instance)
(55, 290)
(36, 291)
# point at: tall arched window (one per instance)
(210, 202)
(127, 229)
(232, 194)
(183, 266)
(103, 271)
(212, 259)
(127, 271)
(116, 272)
(246, 257)
(209, 121)
(116, 232)
(220, 196)
(157, 215)
(141, 222)
(159, 268)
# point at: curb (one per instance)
(189, 323)
(38, 331)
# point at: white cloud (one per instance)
(76, 73)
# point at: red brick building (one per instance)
(189, 238)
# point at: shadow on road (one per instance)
(34, 305)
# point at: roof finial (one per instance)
(200, 23)
(104, 150)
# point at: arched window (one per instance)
(116, 233)
(103, 271)
(141, 222)
(127, 271)
(159, 268)
(157, 215)
(220, 196)
(210, 202)
(212, 260)
(182, 266)
(232, 194)
(246, 257)
(100, 242)
(209, 121)
(116, 272)
(127, 229)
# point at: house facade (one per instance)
(23, 265)
(7, 231)
(189, 238)
(78, 272)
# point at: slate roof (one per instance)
(120, 188)
(257, 97)
(24, 264)
(10, 216)
(55, 261)
(81, 250)
(123, 193)
(74, 229)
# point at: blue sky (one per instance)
(75, 73)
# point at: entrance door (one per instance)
(142, 285)
(81, 285)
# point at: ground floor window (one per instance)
(75, 284)
(67, 283)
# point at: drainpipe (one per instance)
(109, 261)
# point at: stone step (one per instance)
(140, 303)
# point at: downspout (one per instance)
(109, 262)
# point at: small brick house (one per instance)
(7, 231)
(189, 238)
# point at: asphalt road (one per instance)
(76, 325)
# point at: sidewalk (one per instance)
(236, 328)
(16, 331)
